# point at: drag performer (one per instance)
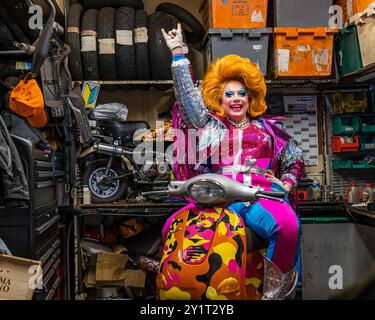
(227, 113)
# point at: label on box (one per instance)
(88, 43)
(107, 46)
(303, 48)
(320, 58)
(240, 10)
(283, 60)
(124, 37)
(257, 47)
(257, 16)
(140, 35)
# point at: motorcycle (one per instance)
(208, 251)
(112, 163)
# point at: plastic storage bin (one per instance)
(342, 164)
(301, 13)
(346, 125)
(303, 52)
(348, 53)
(367, 124)
(367, 142)
(350, 102)
(365, 23)
(248, 43)
(361, 5)
(345, 144)
(234, 13)
(358, 164)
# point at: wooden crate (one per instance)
(19, 277)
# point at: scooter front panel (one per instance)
(204, 257)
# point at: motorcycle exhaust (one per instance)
(111, 149)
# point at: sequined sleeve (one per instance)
(192, 109)
(291, 163)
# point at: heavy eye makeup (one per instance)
(242, 93)
(230, 93)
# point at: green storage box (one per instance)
(367, 142)
(348, 52)
(346, 125)
(359, 164)
(367, 124)
(342, 164)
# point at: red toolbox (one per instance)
(345, 144)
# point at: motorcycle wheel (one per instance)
(104, 193)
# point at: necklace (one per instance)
(240, 125)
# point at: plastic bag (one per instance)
(111, 111)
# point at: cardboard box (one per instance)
(132, 278)
(18, 277)
(110, 266)
(135, 278)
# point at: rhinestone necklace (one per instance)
(240, 125)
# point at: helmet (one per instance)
(130, 227)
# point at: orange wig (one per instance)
(234, 68)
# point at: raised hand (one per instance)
(174, 40)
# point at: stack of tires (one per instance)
(117, 40)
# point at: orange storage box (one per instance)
(234, 13)
(345, 144)
(352, 7)
(303, 52)
(361, 5)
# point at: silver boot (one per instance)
(276, 284)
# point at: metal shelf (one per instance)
(273, 82)
(364, 75)
(141, 209)
(128, 82)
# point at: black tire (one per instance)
(197, 31)
(89, 58)
(13, 27)
(160, 55)
(125, 53)
(141, 46)
(6, 39)
(19, 10)
(89, 179)
(105, 30)
(74, 41)
(97, 4)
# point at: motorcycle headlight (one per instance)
(206, 192)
